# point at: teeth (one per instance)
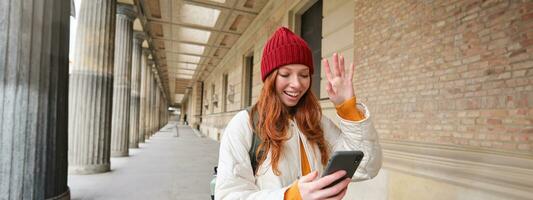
(292, 94)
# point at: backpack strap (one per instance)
(256, 141)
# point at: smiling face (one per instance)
(292, 82)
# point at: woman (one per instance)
(298, 139)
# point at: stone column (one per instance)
(164, 111)
(160, 121)
(163, 108)
(145, 74)
(160, 111)
(138, 38)
(156, 91)
(120, 124)
(34, 46)
(152, 103)
(157, 107)
(150, 90)
(147, 106)
(91, 87)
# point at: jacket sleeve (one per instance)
(356, 135)
(235, 178)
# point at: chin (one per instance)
(290, 104)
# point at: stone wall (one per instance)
(448, 83)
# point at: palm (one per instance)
(339, 86)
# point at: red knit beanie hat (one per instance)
(283, 48)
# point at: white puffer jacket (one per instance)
(235, 179)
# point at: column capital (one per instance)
(139, 35)
(126, 10)
(150, 62)
(145, 51)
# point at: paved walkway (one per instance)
(165, 167)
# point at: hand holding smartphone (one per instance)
(343, 160)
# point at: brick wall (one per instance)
(448, 72)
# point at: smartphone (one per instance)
(343, 160)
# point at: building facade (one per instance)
(449, 85)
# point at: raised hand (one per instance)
(339, 86)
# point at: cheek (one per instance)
(306, 83)
(281, 84)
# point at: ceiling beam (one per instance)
(203, 28)
(185, 74)
(173, 61)
(219, 6)
(188, 54)
(187, 42)
(181, 81)
(182, 69)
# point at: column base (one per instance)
(64, 196)
(134, 146)
(119, 153)
(89, 169)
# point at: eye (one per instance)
(284, 75)
(304, 75)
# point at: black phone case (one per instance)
(343, 160)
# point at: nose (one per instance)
(295, 82)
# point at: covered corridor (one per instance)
(165, 167)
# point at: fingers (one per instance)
(336, 68)
(335, 190)
(351, 71)
(340, 195)
(326, 180)
(325, 63)
(314, 189)
(341, 63)
(309, 177)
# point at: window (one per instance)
(205, 98)
(248, 77)
(203, 94)
(224, 92)
(214, 99)
(311, 32)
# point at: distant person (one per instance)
(296, 138)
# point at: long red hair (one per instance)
(273, 122)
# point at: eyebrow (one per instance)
(295, 70)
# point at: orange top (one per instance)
(347, 110)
